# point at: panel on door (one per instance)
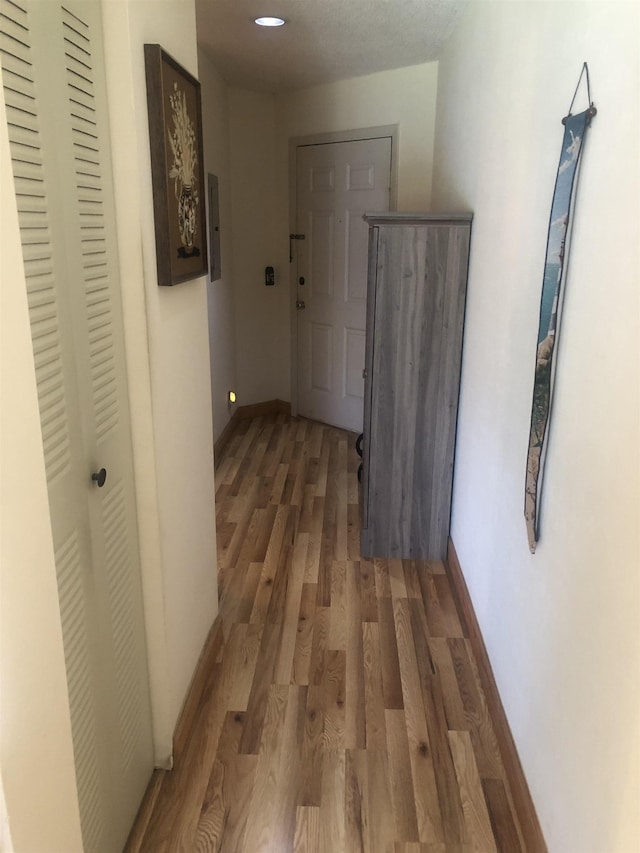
(418, 269)
(335, 185)
(102, 378)
(56, 111)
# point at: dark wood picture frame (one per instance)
(177, 168)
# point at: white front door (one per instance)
(53, 78)
(335, 184)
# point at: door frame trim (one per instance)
(357, 135)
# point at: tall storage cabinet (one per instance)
(415, 315)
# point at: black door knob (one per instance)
(100, 478)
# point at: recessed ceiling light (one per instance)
(269, 21)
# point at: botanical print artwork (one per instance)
(175, 140)
(182, 140)
(550, 306)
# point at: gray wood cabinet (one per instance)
(415, 315)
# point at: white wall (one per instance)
(173, 449)
(260, 239)
(36, 753)
(168, 358)
(561, 627)
(168, 362)
(6, 845)
(260, 128)
(404, 96)
(220, 294)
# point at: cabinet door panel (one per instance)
(415, 316)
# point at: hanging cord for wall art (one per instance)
(592, 110)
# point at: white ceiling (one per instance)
(323, 40)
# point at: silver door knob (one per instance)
(300, 304)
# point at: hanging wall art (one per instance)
(555, 270)
(177, 168)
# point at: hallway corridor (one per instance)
(342, 709)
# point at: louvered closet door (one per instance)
(53, 80)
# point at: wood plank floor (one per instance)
(342, 710)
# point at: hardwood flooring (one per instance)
(342, 710)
